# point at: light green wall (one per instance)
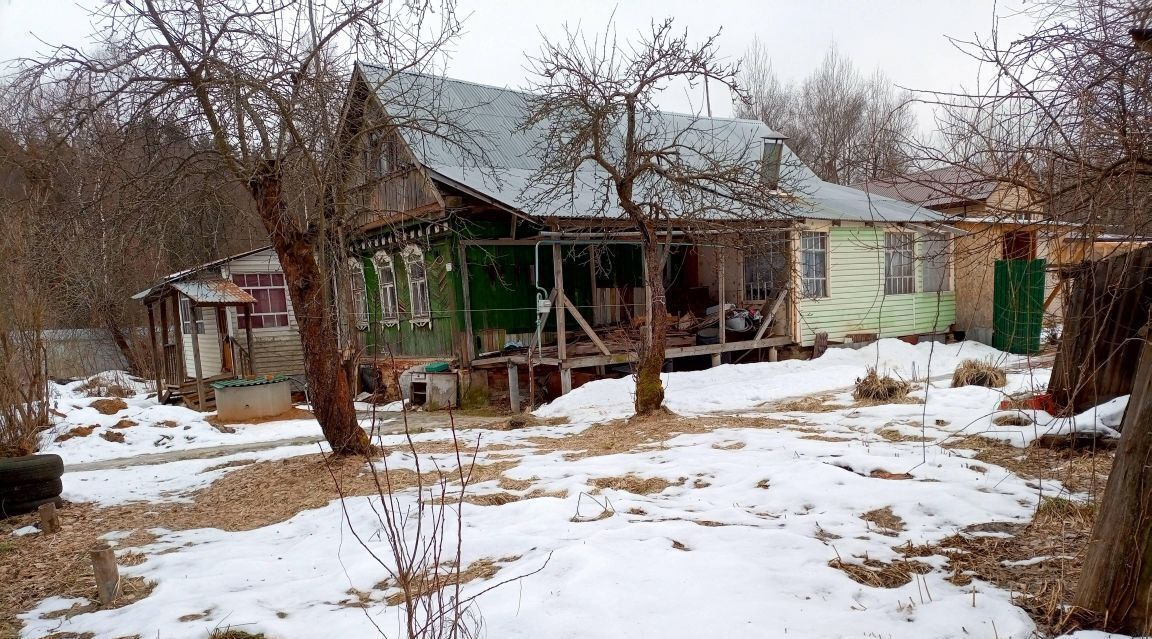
(856, 302)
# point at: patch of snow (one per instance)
(746, 386)
(25, 530)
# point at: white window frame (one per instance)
(359, 290)
(249, 288)
(389, 302)
(899, 263)
(418, 298)
(187, 312)
(937, 257)
(814, 243)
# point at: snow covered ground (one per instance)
(85, 434)
(747, 386)
(730, 531)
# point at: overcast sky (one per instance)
(907, 39)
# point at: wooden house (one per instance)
(999, 224)
(449, 262)
(225, 319)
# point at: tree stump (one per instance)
(49, 518)
(107, 575)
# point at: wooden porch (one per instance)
(585, 346)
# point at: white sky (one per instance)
(904, 38)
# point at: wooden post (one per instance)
(107, 575)
(561, 337)
(178, 337)
(469, 351)
(196, 359)
(49, 518)
(248, 339)
(156, 355)
(717, 358)
(514, 387)
(773, 354)
(164, 340)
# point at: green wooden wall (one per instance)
(444, 297)
(856, 302)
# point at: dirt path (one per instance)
(387, 426)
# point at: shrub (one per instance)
(974, 372)
(873, 387)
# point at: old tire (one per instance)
(29, 481)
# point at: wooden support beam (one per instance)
(678, 351)
(767, 320)
(196, 360)
(107, 575)
(462, 256)
(513, 387)
(558, 278)
(157, 355)
(722, 326)
(248, 339)
(178, 337)
(585, 325)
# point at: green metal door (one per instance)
(1018, 305)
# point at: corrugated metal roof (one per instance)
(179, 275)
(503, 160)
(216, 292)
(938, 188)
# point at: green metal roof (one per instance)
(233, 383)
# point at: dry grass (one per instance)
(232, 633)
(429, 583)
(1012, 419)
(624, 436)
(124, 423)
(34, 567)
(887, 389)
(79, 431)
(975, 372)
(878, 574)
(887, 523)
(809, 404)
(1060, 530)
(109, 406)
(1078, 470)
(894, 435)
(112, 436)
(633, 484)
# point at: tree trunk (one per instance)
(328, 386)
(1116, 584)
(649, 388)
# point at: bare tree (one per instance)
(264, 85)
(607, 149)
(845, 126)
(1067, 118)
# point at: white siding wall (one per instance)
(277, 350)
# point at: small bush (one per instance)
(974, 372)
(873, 387)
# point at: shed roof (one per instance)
(187, 273)
(215, 292)
(937, 188)
(493, 118)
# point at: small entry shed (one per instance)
(184, 302)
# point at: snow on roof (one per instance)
(493, 118)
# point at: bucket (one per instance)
(709, 335)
